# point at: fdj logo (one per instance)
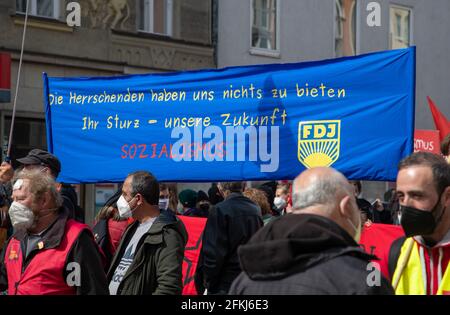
(319, 142)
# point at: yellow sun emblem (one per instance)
(319, 142)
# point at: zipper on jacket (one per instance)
(440, 267)
(423, 264)
(130, 270)
(16, 285)
(431, 254)
(22, 271)
(25, 262)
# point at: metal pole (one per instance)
(17, 83)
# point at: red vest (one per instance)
(115, 232)
(45, 273)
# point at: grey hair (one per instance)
(320, 192)
(40, 183)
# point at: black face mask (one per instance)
(419, 222)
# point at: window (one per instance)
(265, 30)
(44, 8)
(345, 28)
(28, 134)
(156, 16)
(400, 27)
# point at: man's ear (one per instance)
(345, 206)
(58, 186)
(45, 199)
(446, 197)
(140, 199)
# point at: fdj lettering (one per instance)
(318, 131)
(250, 144)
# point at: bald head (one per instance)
(319, 186)
(326, 192)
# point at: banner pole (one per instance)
(8, 159)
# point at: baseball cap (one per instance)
(41, 157)
(188, 198)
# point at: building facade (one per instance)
(141, 36)
(115, 37)
(278, 31)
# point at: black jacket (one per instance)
(230, 224)
(197, 212)
(158, 259)
(85, 252)
(101, 237)
(304, 254)
(70, 201)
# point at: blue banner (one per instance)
(260, 122)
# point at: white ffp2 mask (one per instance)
(124, 208)
(22, 217)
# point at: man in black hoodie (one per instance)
(230, 224)
(314, 250)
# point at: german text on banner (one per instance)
(259, 122)
(427, 141)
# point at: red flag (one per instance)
(376, 239)
(194, 227)
(441, 122)
(5, 78)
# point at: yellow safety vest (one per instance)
(411, 277)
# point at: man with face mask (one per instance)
(314, 249)
(49, 164)
(48, 253)
(419, 262)
(150, 255)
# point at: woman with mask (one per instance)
(168, 197)
(281, 198)
(164, 197)
(110, 227)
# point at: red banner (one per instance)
(5, 78)
(427, 141)
(376, 239)
(194, 227)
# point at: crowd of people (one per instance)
(273, 238)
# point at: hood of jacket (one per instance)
(294, 243)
